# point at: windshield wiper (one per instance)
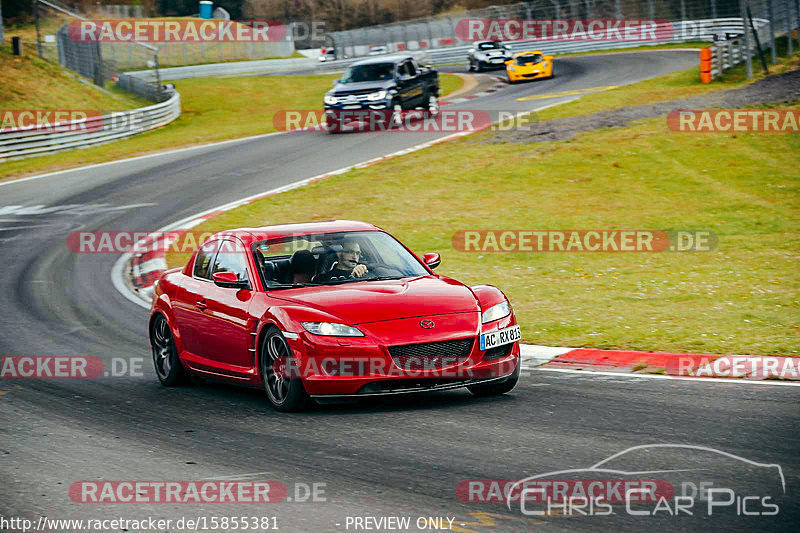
(290, 286)
(384, 278)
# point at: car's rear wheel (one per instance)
(168, 367)
(496, 389)
(277, 364)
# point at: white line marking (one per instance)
(139, 157)
(673, 378)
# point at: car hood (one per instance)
(361, 302)
(492, 53)
(348, 88)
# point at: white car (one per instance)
(327, 55)
(378, 50)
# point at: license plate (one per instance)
(497, 60)
(500, 337)
(351, 106)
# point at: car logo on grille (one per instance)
(427, 324)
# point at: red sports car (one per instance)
(328, 310)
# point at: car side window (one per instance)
(410, 69)
(202, 263)
(231, 258)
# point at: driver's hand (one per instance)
(359, 271)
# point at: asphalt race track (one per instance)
(400, 457)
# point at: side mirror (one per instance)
(432, 259)
(471, 51)
(336, 82)
(229, 280)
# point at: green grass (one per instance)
(740, 298)
(32, 83)
(214, 109)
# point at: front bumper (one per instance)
(524, 74)
(364, 366)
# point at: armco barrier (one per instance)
(19, 143)
(675, 32)
(718, 58)
(238, 68)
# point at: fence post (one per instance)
(36, 19)
(714, 9)
(788, 25)
(651, 12)
(2, 38)
(748, 59)
(771, 6)
(617, 9)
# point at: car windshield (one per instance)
(488, 46)
(375, 72)
(529, 59)
(333, 259)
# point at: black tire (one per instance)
(471, 66)
(167, 365)
(496, 389)
(479, 68)
(284, 393)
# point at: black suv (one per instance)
(384, 85)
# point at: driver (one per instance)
(347, 265)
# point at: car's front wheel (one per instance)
(168, 367)
(496, 389)
(280, 373)
(433, 105)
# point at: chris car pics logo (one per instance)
(646, 481)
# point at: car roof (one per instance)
(251, 235)
(383, 59)
(485, 42)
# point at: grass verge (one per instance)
(740, 298)
(208, 116)
(32, 83)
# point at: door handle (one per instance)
(201, 305)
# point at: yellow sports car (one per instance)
(529, 66)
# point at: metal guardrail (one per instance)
(20, 142)
(239, 68)
(677, 32)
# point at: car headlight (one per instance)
(330, 100)
(331, 329)
(380, 95)
(496, 312)
(511, 67)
